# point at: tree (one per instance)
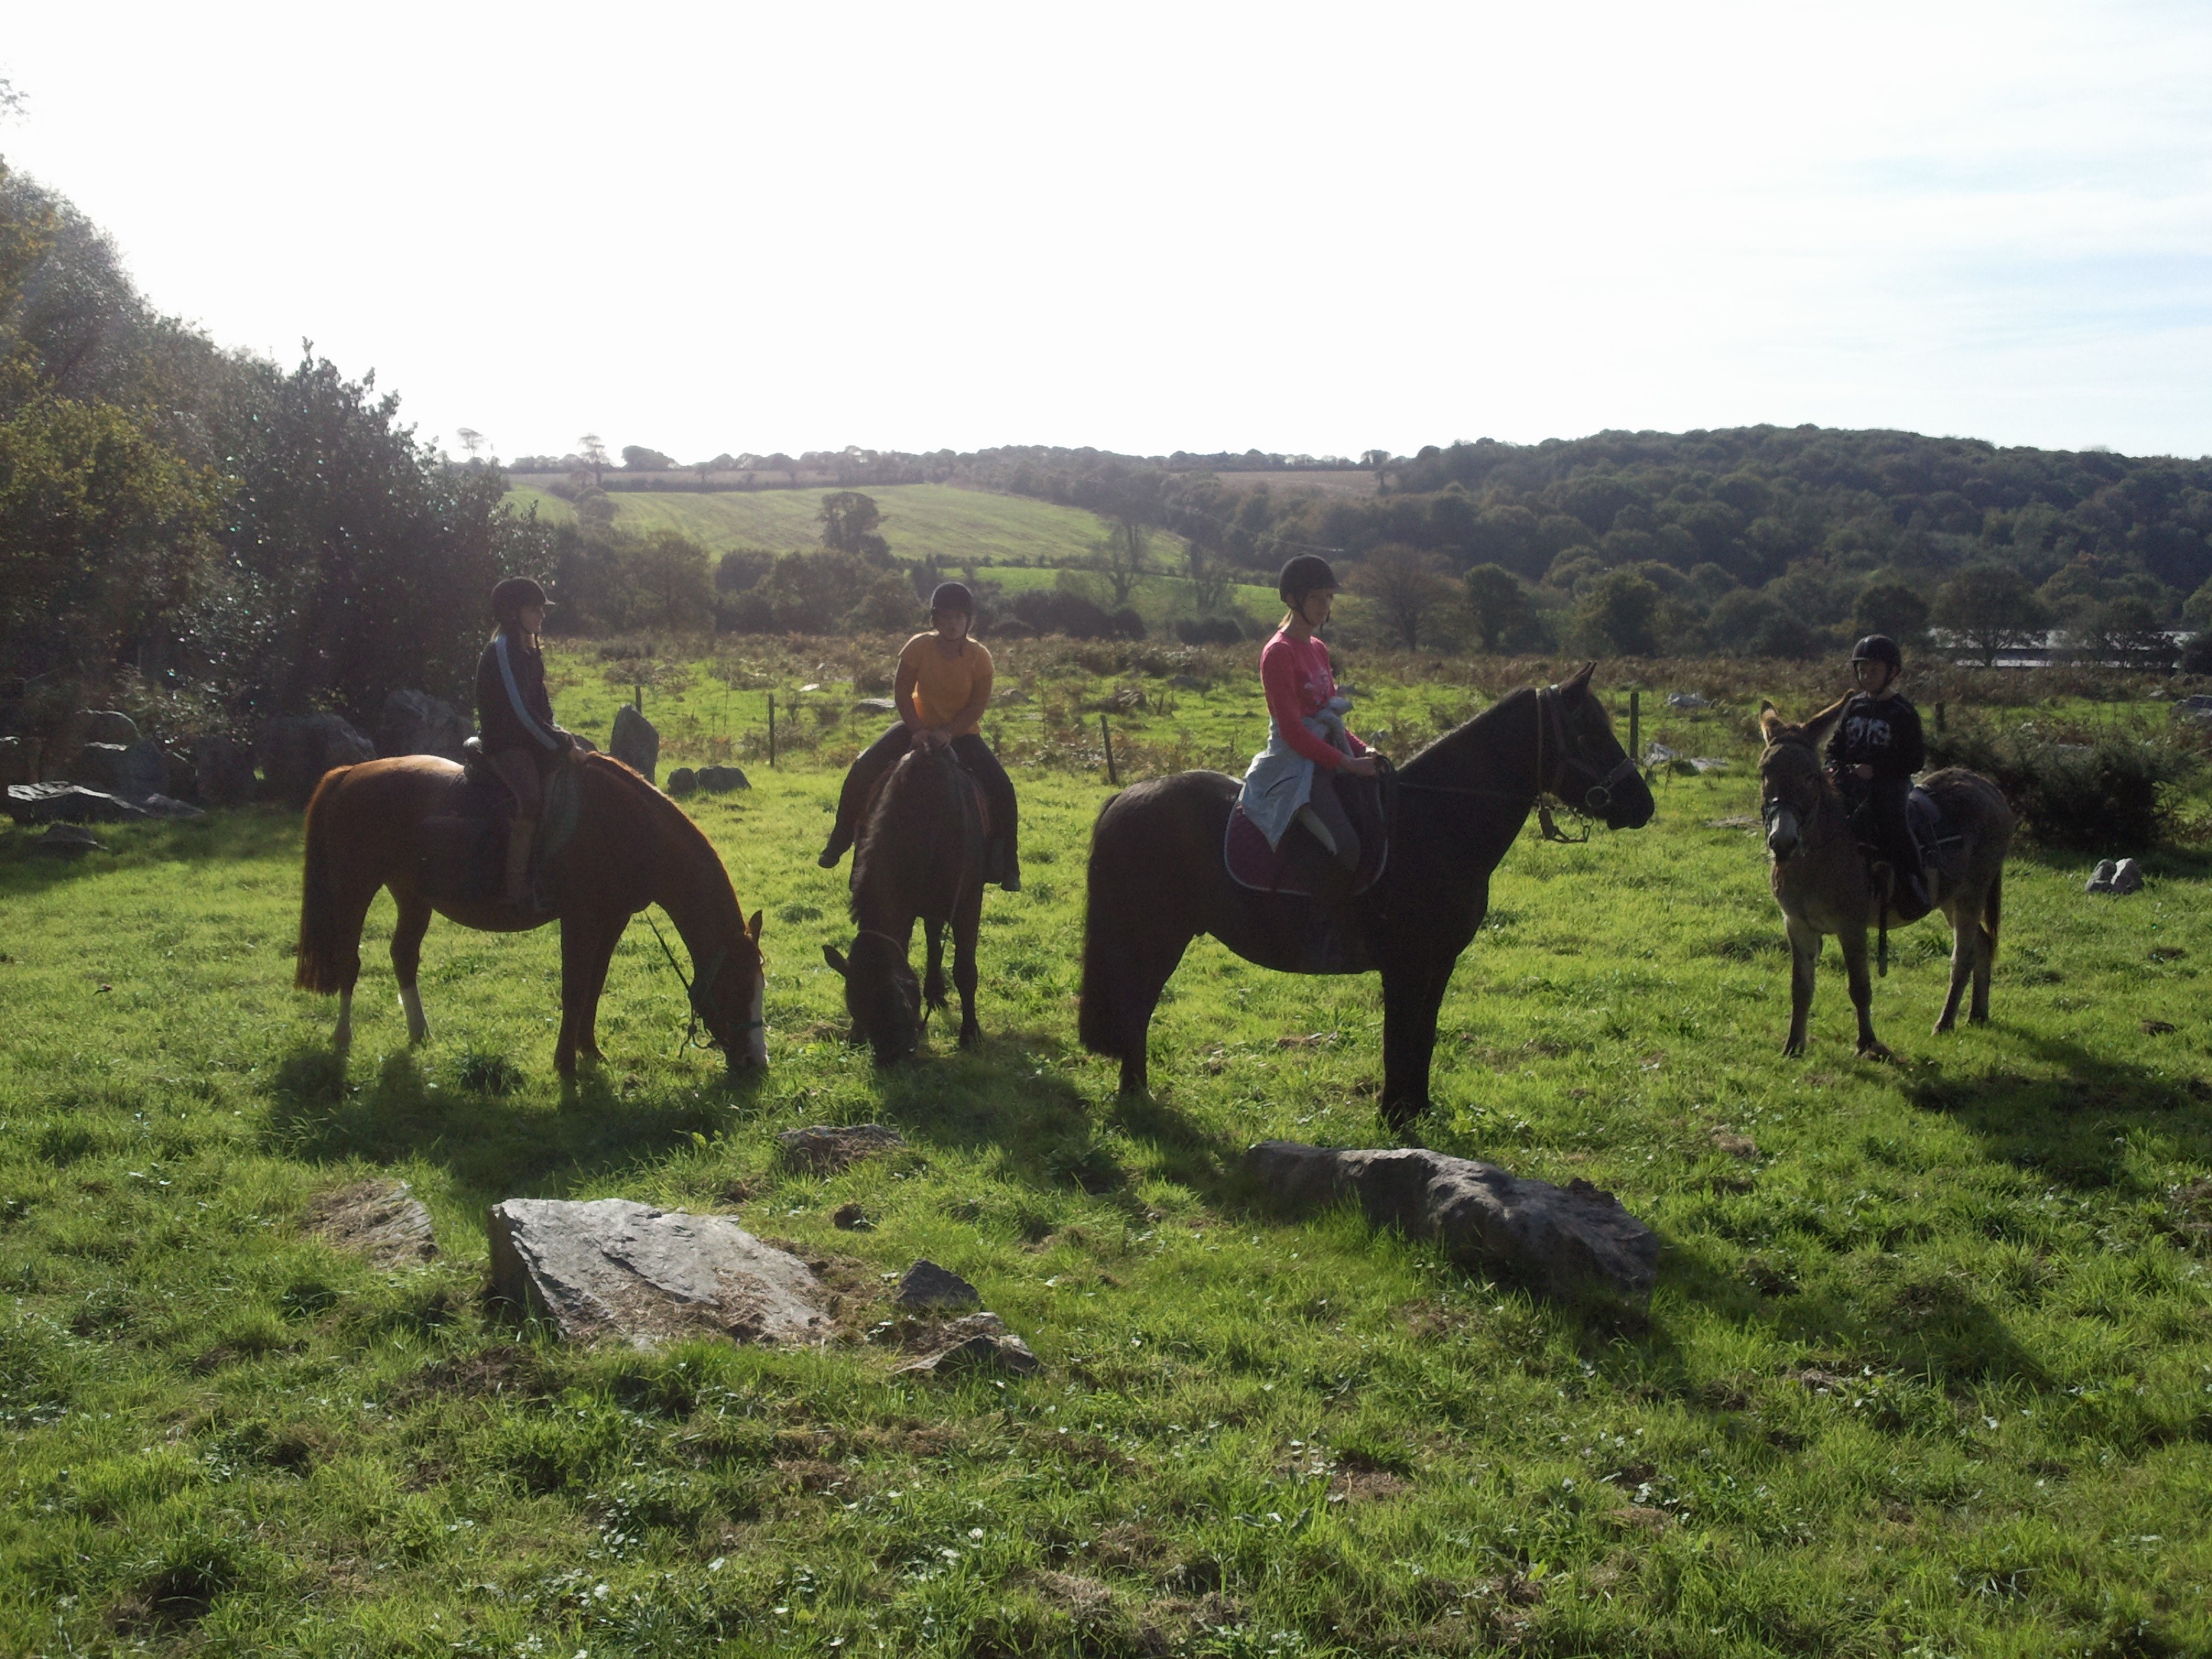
(848, 521)
(668, 572)
(1210, 578)
(1124, 557)
(1890, 607)
(472, 442)
(1989, 609)
(636, 458)
(2125, 630)
(1409, 588)
(1497, 603)
(1620, 613)
(596, 458)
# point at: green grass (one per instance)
(1928, 1369)
(957, 525)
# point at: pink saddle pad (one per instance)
(1252, 863)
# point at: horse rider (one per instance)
(942, 687)
(514, 719)
(1295, 779)
(1873, 753)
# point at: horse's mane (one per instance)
(665, 813)
(1441, 750)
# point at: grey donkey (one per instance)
(1823, 885)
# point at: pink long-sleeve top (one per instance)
(1299, 681)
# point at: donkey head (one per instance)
(881, 993)
(1791, 782)
(1591, 771)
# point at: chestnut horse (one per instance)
(1821, 881)
(633, 847)
(919, 855)
(1157, 880)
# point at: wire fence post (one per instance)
(1106, 736)
(771, 728)
(1636, 727)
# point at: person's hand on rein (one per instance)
(929, 739)
(1360, 765)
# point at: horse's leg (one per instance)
(1965, 913)
(407, 959)
(932, 982)
(1412, 994)
(1861, 984)
(1804, 961)
(586, 947)
(967, 919)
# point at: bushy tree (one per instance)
(1619, 614)
(667, 573)
(1989, 611)
(848, 521)
(1497, 604)
(1410, 591)
(1887, 605)
(636, 458)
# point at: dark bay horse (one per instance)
(919, 855)
(1157, 880)
(633, 847)
(1821, 881)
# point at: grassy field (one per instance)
(1928, 1370)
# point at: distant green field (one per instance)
(919, 520)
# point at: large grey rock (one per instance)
(145, 770)
(979, 1342)
(19, 760)
(634, 742)
(1564, 1240)
(416, 723)
(720, 780)
(107, 725)
(223, 768)
(68, 840)
(611, 1268)
(379, 1221)
(2127, 877)
(295, 750)
(826, 1148)
(68, 803)
(100, 766)
(928, 1285)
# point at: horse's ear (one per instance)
(753, 928)
(835, 958)
(1579, 685)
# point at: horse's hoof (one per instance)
(1944, 1027)
(1875, 1051)
(1794, 1049)
(971, 1036)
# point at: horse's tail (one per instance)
(1098, 1011)
(320, 951)
(1993, 910)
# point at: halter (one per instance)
(699, 991)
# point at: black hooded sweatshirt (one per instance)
(520, 717)
(1881, 732)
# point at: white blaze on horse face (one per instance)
(342, 1039)
(756, 1035)
(410, 998)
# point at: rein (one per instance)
(697, 991)
(1595, 798)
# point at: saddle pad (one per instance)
(462, 857)
(1252, 863)
(1926, 818)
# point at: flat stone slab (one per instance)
(1563, 1240)
(612, 1268)
(928, 1285)
(826, 1148)
(68, 803)
(981, 1341)
(380, 1220)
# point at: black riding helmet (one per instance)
(1309, 573)
(1879, 648)
(953, 596)
(511, 596)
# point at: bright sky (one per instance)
(1282, 226)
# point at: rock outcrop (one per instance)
(612, 1268)
(1565, 1241)
(634, 742)
(295, 750)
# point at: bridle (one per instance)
(1595, 798)
(1769, 810)
(699, 993)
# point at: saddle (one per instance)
(462, 851)
(1932, 833)
(1251, 863)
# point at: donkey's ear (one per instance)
(1770, 720)
(835, 958)
(753, 928)
(1818, 729)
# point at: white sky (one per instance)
(1287, 227)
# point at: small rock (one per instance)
(720, 780)
(884, 705)
(928, 1285)
(109, 726)
(2127, 877)
(979, 1342)
(1186, 683)
(615, 1268)
(1734, 1146)
(683, 781)
(68, 803)
(851, 1217)
(67, 841)
(169, 807)
(1737, 821)
(2150, 1027)
(824, 1149)
(1686, 700)
(380, 1220)
(2197, 707)
(2100, 879)
(1562, 1239)
(634, 742)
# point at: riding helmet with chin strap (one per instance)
(1879, 648)
(955, 597)
(1307, 573)
(514, 596)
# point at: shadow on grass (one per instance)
(491, 1144)
(243, 833)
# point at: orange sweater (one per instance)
(943, 685)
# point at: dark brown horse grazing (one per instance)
(633, 847)
(1157, 880)
(1821, 881)
(920, 853)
